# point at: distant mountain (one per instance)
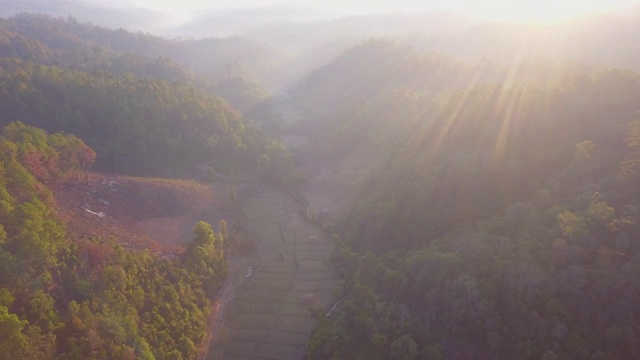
(134, 19)
(607, 39)
(233, 67)
(308, 38)
(231, 22)
(71, 44)
(276, 45)
(308, 34)
(296, 25)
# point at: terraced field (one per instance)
(269, 318)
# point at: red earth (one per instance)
(140, 213)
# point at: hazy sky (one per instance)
(529, 10)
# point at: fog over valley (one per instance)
(319, 180)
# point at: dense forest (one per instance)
(499, 222)
(89, 299)
(131, 121)
(209, 63)
(142, 115)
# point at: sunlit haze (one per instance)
(320, 179)
(504, 10)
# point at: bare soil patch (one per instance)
(141, 213)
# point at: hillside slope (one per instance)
(155, 214)
(77, 296)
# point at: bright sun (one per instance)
(501, 10)
(541, 10)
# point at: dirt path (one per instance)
(237, 266)
(141, 213)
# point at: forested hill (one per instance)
(143, 112)
(369, 70)
(500, 222)
(490, 142)
(81, 44)
(381, 66)
(233, 67)
(89, 299)
(360, 102)
(136, 125)
(479, 150)
(72, 45)
(103, 14)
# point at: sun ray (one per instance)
(452, 121)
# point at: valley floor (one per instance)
(268, 317)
